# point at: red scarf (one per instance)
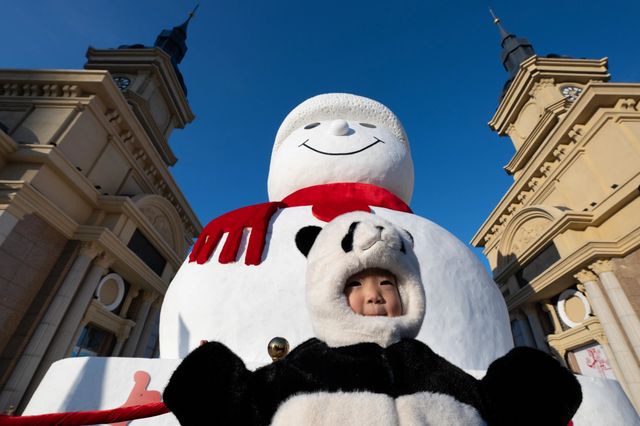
(327, 201)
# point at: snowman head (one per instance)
(339, 137)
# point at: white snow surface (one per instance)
(245, 306)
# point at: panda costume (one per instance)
(367, 370)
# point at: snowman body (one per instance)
(244, 306)
(328, 139)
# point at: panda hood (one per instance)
(347, 245)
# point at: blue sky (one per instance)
(435, 64)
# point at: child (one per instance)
(373, 292)
(367, 303)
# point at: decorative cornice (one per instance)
(545, 125)
(538, 68)
(594, 106)
(126, 262)
(151, 59)
(126, 206)
(562, 273)
(90, 249)
(104, 261)
(585, 276)
(118, 119)
(602, 265)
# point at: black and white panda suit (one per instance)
(367, 370)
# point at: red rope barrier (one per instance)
(78, 418)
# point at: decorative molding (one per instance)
(174, 254)
(104, 261)
(540, 85)
(83, 86)
(568, 294)
(523, 230)
(602, 265)
(130, 266)
(31, 90)
(90, 249)
(573, 338)
(527, 234)
(585, 276)
(559, 148)
(626, 104)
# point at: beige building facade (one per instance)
(93, 226)
(564, 241)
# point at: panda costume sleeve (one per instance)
(367, 370)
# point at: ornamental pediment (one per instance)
(525, 229)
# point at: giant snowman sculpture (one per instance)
(243, 283)
(333, 153)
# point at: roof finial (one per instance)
(503, 33)
(193, 12)
(496, 20)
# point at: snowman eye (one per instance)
(311, 126)
(371, 126)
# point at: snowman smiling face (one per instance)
(341, 149)
(340, 128)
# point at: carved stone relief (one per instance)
(528, 233)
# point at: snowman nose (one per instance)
(339, 127)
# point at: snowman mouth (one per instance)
(340, 153)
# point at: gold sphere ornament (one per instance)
(278, 347)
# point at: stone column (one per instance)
(630, 372)
(131, 294)
(23, 372)
(141, 318)
(120, 339)
(538, 334)
(549, 308)
(619, 301)
(148, 329)
(64, 339)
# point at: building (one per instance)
(564, 241)
(92, 225)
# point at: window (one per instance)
(94, 341)
(142, 247)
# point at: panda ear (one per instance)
(410, 236)
(306, 237)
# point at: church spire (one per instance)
(515, 50)
(174, 41)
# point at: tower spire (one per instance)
(496, 20)
(174, 41)
(515, 50)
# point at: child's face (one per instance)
(373, 292)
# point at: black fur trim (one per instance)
(516, 389)
(306, 237)
(529, 387)
(404, 368)
(211, 380)
(347, 241)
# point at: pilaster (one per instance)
(619, 301)
(35, 350)
(141, 318)
(630, 377)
